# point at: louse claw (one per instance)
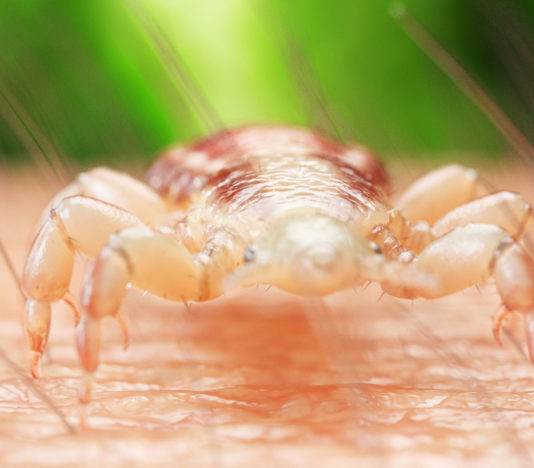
(37, 317)
(498, 319)
(123, 323)
(71, 302)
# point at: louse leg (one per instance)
(470, 254)
(505, 209)
(155, 262)
(390, 245)
(116, 188)
(78, 223)
(437, 192)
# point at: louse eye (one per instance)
(250, 254)
(376, 248)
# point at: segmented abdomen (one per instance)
(182, 172)
(269, 186)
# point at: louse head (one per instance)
(308, 254)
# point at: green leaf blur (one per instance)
(88, 76)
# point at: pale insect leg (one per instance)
(117, 188)
(79, 223)
(505, 209)
(156, 262)
(437, 192)
(451, 197)
(20, 372)
(108, 186)
(468, 255)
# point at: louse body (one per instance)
(275, 205)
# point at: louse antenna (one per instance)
(451, 67)
(182, 77)
(38, 146)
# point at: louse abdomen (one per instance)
(270, 186)
(184, 171)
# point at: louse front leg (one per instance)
(156, 262)
(471, 254)
(78, 223)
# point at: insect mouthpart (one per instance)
(306, 254)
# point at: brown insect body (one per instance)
(181, 171)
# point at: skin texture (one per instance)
(266, 378)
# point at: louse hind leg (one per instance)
(451, 197)
(505, 209)
(468, 255)
(156, 262)
(78, 223)
(116, 188)
(437, 192)
(428, 199)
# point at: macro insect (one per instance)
(277, 205)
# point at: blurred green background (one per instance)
(102, 80)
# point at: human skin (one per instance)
(265, 378)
